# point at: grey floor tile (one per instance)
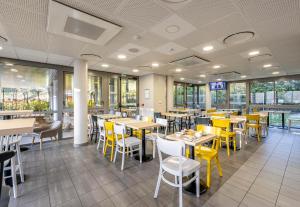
(233, 192)
(251, 200)
(40, 202)
(61, 197)
(114, 187)
(221, 200)
(264, 193)
(284, 201)
(93, 197)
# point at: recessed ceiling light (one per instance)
(216, 66)
(178, 70)
(199, 81)
(275, 73)
(219, 79)
(122, 56)
(1, 47)
(208, 48)
(155, 65)
(172, 29)
(254, 52)
(202, 75)
(135, 70)
(23, 80)
(9, 64)
(14, 70)
(182, 79)
(19, 76)
(267, 65)
(243, 76)
(104, 65)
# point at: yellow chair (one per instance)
(209, 153)
(110, 138)
(211, 110)
(255, 109)
(253, 123)
(222, 115)
(234, 113)
(226, 134)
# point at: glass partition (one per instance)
(128, 92)
(237, 95)
(262, 92)
(190, 96)
(179, 95)
(94, 91)
(218, 99)
(113, 93)
(287, 92)
(202, 97)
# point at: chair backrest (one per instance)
(211, 110)
(218, 114)
(224, 124)
(171, 148)
(138, 117)
(253, 118)
(100, 123)
(163, 123)
(52, 131)
(118, 113)
(109, 130)
(202, 120)
(147, 118)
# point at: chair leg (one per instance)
(103, 145)
(234, 143)
(112, 152)
(117, 148)
(33, 138)
(158, 184)
(123, 158)
(227, 146)
(258, 134)
(198, 183)
(105, 148)
(219, 167)
(180, 192)
(13, 177)
(98, 145)
(208, 173)
(41, 144)
(140, 152)
(154, 148)
(20, 164)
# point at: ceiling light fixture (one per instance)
(181, 79)
(267, 65)
(14, 70)
(19, 76)
(104, 65)
(1, 47)
(199, 81)
(275, 73)
(208, 48)
(178, 70)
(216, 66)
(135, 70)
(202, 76)
(122, 56)
(155, 65)
(219, 79)
(243, 76)
(23, 80)
(9, 64)
(253, 53)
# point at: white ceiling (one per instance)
(276, 24)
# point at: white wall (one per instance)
(160, 93)
(170, 88)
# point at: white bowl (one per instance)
(198, 134)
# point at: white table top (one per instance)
(15, 112)
(108, 116)
(16, 126)
(168, 114)
(194, 142)
(142, 125)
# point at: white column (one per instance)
(170, 93)
(80, 83)
(55, 99)
(207, 96)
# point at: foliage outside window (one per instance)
(237, 95)
(190, 96)
(128, 92)
(179, 95)
(218, 99)
(201, 95)
(287, 92)
(262, 92)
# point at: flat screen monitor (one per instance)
(220, 85)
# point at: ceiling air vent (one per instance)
(232, 75)
(75, 24)
(190, 61)
(238, 38)
(259, 58)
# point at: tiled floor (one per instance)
(264, 174)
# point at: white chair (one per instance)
(12, 143)
(152, 136)
(130, 143)
(118, 113)
(176, 164)
(102, 137)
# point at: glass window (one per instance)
(26, 88)
(179, 95)
(94, 92)
(262, 92)
(68, 90)
(113, 93)
(287, 92)
(237, 95)
(202, 100)
(128, 92)
(190, 96)
(218, 99)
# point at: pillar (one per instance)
(207, 96)
(170, 93)
(80, 83)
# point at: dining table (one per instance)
(108, 116)
(10, 113)
(179, 116)
(192, 142)
(16, 126)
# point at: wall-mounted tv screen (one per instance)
(220, 85)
